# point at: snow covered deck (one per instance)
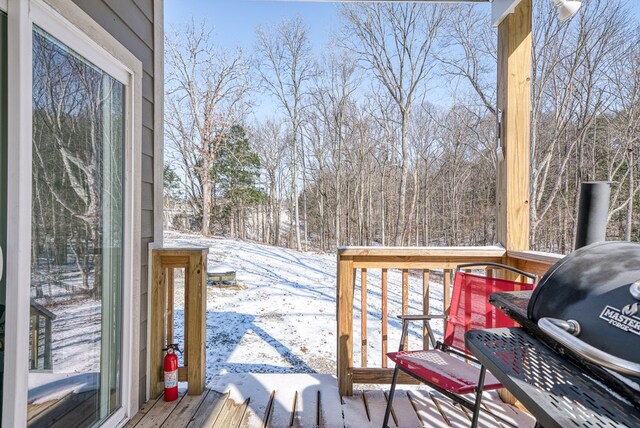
(312, 400)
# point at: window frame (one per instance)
(73, 27)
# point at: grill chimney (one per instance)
(593, 210)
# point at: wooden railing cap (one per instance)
(490, 251)
(44, 311)
(536, 256)
(181, 250)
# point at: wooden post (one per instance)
(514, 101)
(344, 302)
(195, 336)
(363, 317)
(193, 261)
(156, 341)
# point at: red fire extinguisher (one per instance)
(171, 373)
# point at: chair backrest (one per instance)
(470, 308)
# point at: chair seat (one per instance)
(443, 370)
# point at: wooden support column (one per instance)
(514, 101)
(157, 339)
(344, 303)
(196, 321)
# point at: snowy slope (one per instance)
(284, 321)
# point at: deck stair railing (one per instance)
(431, 266)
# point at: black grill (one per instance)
(587, 308)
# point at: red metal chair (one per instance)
(445, 367)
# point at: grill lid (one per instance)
(595, 287)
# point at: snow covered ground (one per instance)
(284, 321)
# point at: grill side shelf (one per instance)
(514, 306)
(555, 391)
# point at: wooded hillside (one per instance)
(388, 135)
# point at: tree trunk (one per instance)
(401, 224)
(206, 202)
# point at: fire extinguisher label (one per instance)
(171, 379)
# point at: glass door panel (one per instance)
(77, 237)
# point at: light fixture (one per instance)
(567, 8)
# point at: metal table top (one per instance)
(556, 392)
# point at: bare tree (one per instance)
(205, 94)
(570, 91)
(396, 41)
(286, 68)
(270, 145)
(332, 97)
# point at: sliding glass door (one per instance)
(77, 238)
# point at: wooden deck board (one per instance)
(183, 413)
(230, 415)
(454, 414)
(64, 411)
(376, 403)
(404, 411)
(283, 408)
(33, 410)
(427, 411)
(156, 416)
(355, 412)
(307, 408)
(83, 415)
(143, 411)
(494, 404)
(245, 402)
(329, 402)
(209, 410)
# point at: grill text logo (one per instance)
(630, 310)
(624, 318)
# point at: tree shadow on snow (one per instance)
(228, 331)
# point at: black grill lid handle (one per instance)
(556, 329)
(531, 276)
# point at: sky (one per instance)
(234, 24)
(234, 21)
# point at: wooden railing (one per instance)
(194, 263)
(39, 313)
(423, 264)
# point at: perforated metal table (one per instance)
(556, 392)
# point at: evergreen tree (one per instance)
(235, 177)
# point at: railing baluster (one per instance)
(35, 326)
(425, 306)
(405, 301)
(363, 316)
(47, 344)
(170, 296)
(447, 294)
(385, 320)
